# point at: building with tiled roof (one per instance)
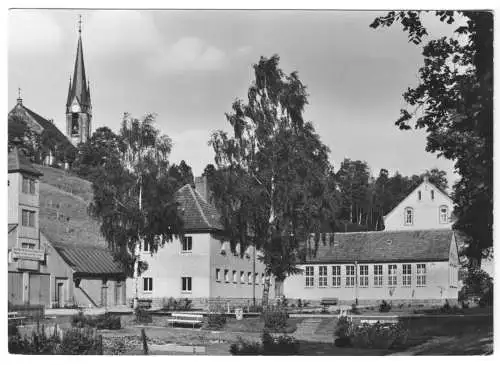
(48, 267)
(200, 266)
(368, 267)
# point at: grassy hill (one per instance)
(64, 199)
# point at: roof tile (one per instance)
(384, 246)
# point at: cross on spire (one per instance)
(19, 99)
(80, 24)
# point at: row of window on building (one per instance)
(186, 284)
(187, 245)
(244, 278)
(444, 216)
(334, 278)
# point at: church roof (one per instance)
(197, 214)
(21, 109)
(78, 86)
(384, 246)
(18, 163)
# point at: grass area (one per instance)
(68, 221)
(66, 181)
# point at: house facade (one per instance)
(45, 272)
(201, 266)
(368, 267)
(426, 207)
(28, 279)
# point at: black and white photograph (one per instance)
(230, 182)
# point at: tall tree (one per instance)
(20, 135)
(353, 179)
(182, 173)
(272, 186)
(92, 155)
(133, 193)
(455, 104)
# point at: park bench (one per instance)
(14, 316)
(185, 318)
(327, 302)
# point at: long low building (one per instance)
(368, 267)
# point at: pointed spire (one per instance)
(79, 87)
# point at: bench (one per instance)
(327, 302)
(185, 318)
(14, 316)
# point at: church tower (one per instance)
(78, 105)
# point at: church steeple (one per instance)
(78, 104)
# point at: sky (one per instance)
(188, 66)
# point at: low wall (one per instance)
(206, 303)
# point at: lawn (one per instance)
(452, 335)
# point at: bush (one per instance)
(12, 329)
(354, 309)
(143, 316)
(183, 304)
(103, 321)
(275, 320)
(379, 336)
(281, 345)
(80, 342)
(73, 342)
(384, 307)
(215, 321)
(344, 328)
(243, 347)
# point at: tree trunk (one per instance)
(265, 293)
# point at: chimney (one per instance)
(201, 186)
(426, 178)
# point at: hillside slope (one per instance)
(64, 201)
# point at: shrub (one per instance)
(80, 342)
(379, 336)
(243, 347)
(255, 309)
(344, 328)
(103, 321)
(12, 329)
(384, 307)
(275, 320)
(184, 304)
(354, 309)
(281, 345)
(74, 342)
(143, 316)
(215, 321)
(117, 347)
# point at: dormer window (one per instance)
(408, 216)
(443, 214)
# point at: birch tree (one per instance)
(134, 194)
(272, 185)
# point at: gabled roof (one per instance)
(385, 246)
(197, 214)
(89, 260)
(18, 163)
(426, 181)
(42, 122)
